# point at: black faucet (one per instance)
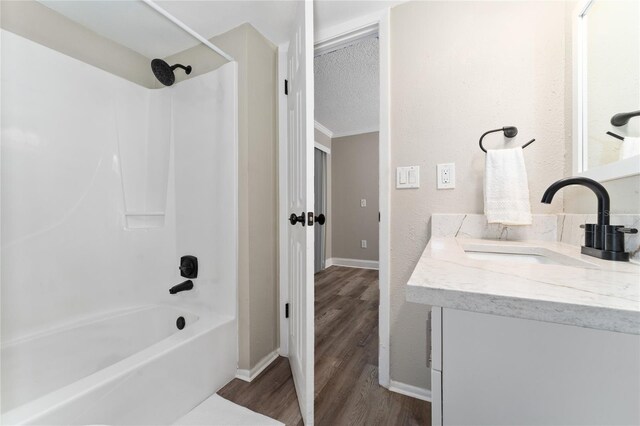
(601, 240)
(183, 286)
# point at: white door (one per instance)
(300, 202)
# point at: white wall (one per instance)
(65, 251)
(459, 69)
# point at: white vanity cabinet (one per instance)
(497, 370)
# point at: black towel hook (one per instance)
(509, 132)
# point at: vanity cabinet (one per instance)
(497, 370)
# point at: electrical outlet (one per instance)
(363, 244)
(446, 176)
(363, 202)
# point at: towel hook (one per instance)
(509, 132)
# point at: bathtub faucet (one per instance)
(184, 286)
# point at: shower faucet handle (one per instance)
(189, 266)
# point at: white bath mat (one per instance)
(217, 411)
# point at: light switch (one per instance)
(408, 177)
(363, 202)
(363, 243)
(412, 176)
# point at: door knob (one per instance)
(320, 219)
(293, 219)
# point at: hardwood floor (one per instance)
(346, 363)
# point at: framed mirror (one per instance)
(606, 89)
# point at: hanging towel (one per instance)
(630, 147)
(506, 188)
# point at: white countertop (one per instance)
(604, 296)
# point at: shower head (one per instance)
(164, 72)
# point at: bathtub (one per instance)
(130, 367)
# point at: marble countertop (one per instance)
(604, 295)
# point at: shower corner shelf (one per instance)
(144, 220)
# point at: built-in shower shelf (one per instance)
(144, 220)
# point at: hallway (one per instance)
(346, 363)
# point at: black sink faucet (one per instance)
(602, 240)
(600, 191)
(183, 286)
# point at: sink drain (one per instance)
(180, 323)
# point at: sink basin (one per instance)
(522, 254)
(511, 257)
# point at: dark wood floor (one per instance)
(346, 363)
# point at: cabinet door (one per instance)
(499, 371)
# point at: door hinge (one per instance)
(286, 87)
(286, 310)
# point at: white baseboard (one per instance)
(351, 263)
(410, 390)
(249, 375)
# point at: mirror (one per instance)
(608, 84)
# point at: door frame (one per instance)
(343, 33)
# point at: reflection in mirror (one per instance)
(611, 83)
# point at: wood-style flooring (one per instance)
(346, 363)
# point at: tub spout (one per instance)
(184, 286)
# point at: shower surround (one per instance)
(105, 185)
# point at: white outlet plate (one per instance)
(363, 202)
(363, 244)
(408, 177)
(446, 175)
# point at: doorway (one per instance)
(347, 295)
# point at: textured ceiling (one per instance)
(347, 90)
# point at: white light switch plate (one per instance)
(408, 177)
(446, 175)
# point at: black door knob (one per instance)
(293, 219)
(320, 219)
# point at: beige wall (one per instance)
(38, 23)
(355, 171)
(457, 70)
(325, 140)
(258, 239)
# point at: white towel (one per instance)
(630, 147)
(506, 188)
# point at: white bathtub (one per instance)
(131, 367)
